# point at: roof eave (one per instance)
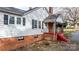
(12, 13)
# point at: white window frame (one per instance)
(9, 20)
(33, 27)
(17, 19)
(23, 22)
(39, 24)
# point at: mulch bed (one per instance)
(49, 45)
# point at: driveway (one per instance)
(75, 36)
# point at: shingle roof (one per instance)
(16, 11)
(52, 18)
(12, 10)
(31, 10)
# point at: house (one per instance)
(18, 23)
(71, 26)
(19, 28)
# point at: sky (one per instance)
(23, 8)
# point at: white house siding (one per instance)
(36, 15)
(14, 30)
(7, 30)
(60, 19)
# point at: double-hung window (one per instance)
(42, 25)
(24, 21)
(39, 24)
(11, 20)
(18, 20)
(34, 24)
(6, 19)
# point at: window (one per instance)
(6, 19)
(34, 23)
(42, 25)
(20, 38)
(18, 20)
(39, 24)
(11, 20)
(24, 21)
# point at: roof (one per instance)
(16, 11)
(31, 10)
(12, 10)
(52, 18)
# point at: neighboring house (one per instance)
(77, 24)
(15, 22)
(71, 25)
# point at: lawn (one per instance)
(67, 33)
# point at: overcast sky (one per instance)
(23, 8)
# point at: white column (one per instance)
(76, 26)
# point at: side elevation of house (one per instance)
(15, 22)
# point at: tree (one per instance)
(72, 14)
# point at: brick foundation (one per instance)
(13, 43)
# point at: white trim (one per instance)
(9, 20)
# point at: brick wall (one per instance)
(13, 43)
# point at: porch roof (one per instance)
(51, 18)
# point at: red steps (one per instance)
(60, 36)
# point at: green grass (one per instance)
(67, 33)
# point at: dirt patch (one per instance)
(49, 45)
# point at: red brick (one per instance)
(29, 39)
